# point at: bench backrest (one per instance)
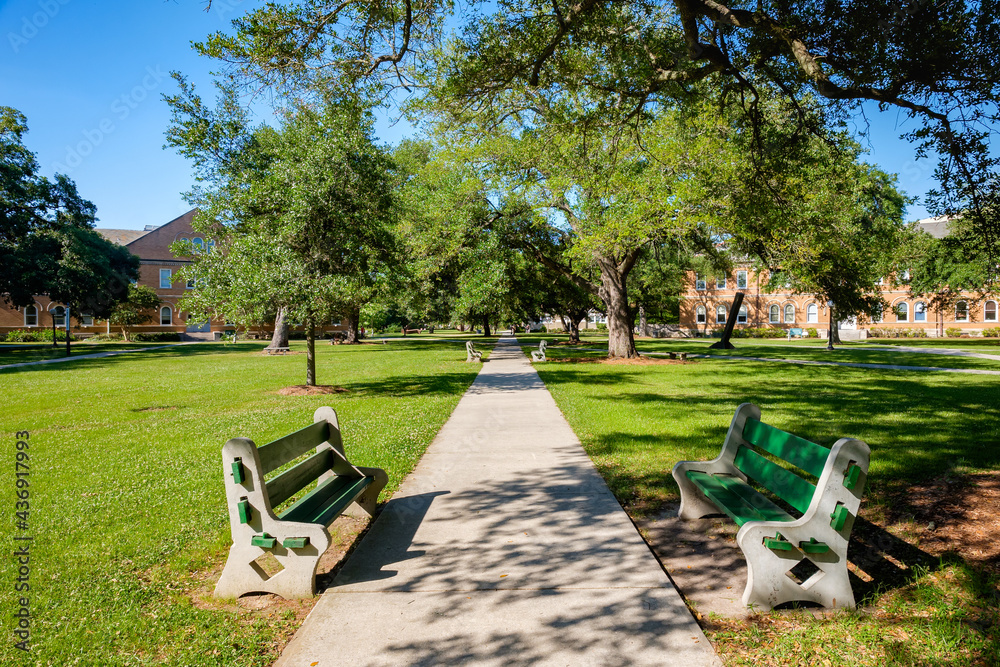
(795, 332)
(543, 345)
(469, 347)
(273, 455)
(809, 457)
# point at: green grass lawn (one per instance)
(637, 421)
(15, 353)
(127, 497)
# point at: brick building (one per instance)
(158, 270)
(706, 302)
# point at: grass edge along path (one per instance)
(127, 504)
(636, 421)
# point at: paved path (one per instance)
(95, 355)
(503, 547)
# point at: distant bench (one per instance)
(298, 536)
(470, 352)
(774, 541)
(539, 354)
(796, 332)
(276, 350)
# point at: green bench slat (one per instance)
(327, 500)
(799, 452)
(737, 498)
(783, 483)
(275, 454)
(288, 483)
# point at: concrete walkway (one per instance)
(503, 547)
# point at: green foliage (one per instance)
(992, 332)
(156, 337)
(953, 332)
(138, 308)
(759, 332)
(811, 332)
(899, 332)
(36, 335)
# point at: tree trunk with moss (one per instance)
(280, 336)
(310, 354)
(614, 293)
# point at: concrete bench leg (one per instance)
(298, 578)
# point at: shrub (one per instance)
(601, 326)
(99, 338)
(812, 333)
(756, 332)
(880, 332)
(156, 337)
(993, 332)
(36, 335)
(952, 332)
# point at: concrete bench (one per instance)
(796, 332)
(810, 542)
(470, 352)
(298, 536)
(678, 355)
(539, 354)
(276, 350)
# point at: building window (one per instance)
(961, 311)
(879, 282)
(198, 242)
(919, 312)
(210, 246)
(774, 314)
(189, 284)
(720, 315)
(699, 281)
(789, 314)
(700, 314)
(741, 280)
(59, 316)
(904, 276)
(877, 314)
(741, 317)
(990, 311)
(87, 320)
(902, 312)
(812, 313)
(166, 317)
(166, 281)
(720, 283)
(31, 316)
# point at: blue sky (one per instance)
(89, 76)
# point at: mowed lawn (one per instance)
(127, 499)
(637, 421)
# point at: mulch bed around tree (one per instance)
(306, 390)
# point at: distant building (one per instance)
(158, 270)
(706, 301)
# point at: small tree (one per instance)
(138, 308)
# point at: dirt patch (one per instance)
(306, 390)
(954, 514)
(156, 408)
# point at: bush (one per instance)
(812, 333)
(104, 337)
(601, 326)
(157, 337)
(991, 333)
(952, 332)
(882, 332)
(36, 335)
(756, 332)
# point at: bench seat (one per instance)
(327, 501)
(740, 501)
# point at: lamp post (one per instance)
(829, 335)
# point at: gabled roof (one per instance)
(121, 236)
(936, 227)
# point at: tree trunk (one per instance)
(614, 294)
(310, 354)
(643, 325)
(835, 326)
(280, 336)
(486, 325)
(353, 322)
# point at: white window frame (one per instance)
(986, 317)
(189, 284)
(812, 314)
(742, 315)
(34, 315)
(199, 243)
(166, 276)
(785, 312)
(966, 304)
(741, 280)
(920, 312)
(699, 282)
(720, 283)
(701, 315)
(902, 311)
(774, 313)
(720, 312)
(170, 316)
(87, 320)
(904, 276)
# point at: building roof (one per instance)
(936, 227)
(121, 236)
